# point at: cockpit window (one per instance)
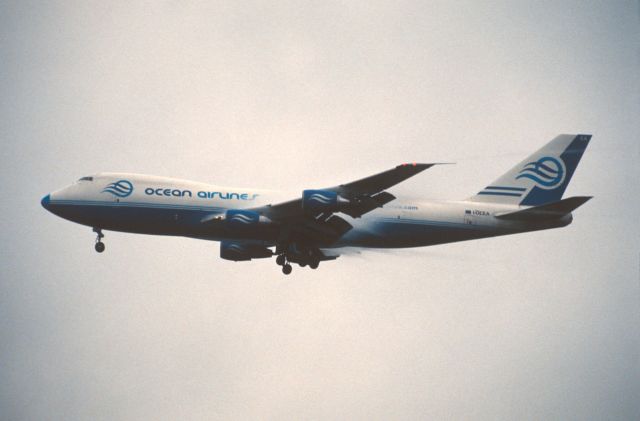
(86, 179)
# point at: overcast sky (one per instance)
(302, 95)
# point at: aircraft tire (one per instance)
(286, 269)
(99, 247)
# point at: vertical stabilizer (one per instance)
(542, 177)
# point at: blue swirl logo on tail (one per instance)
(547, 172)
(120, 188)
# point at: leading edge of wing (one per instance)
(382, 181)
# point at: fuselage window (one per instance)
(86, 179)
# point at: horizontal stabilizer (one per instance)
(549, 211)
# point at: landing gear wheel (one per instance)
(281, 260)
(314, 264)
(286, 268)
(99, 244)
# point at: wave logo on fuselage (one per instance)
(547, 172)
(120, 188)
(317, 197)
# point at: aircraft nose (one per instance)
(45, 201)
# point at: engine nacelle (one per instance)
(242, 219)
(322, 201)
(242, 252)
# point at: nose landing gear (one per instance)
(99, 244)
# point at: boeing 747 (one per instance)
(312, 227)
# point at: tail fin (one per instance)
(542, 177)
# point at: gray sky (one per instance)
(300, 95)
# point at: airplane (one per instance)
(312, 227)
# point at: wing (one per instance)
(364, 195)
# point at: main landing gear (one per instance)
(285, 260)
(99, 244)
(281, 260)
(286, 268)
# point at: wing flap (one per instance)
(322, 232)
(368, 203)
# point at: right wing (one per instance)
(364, 195)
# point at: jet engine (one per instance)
(238, 252)
(322, 201)
(242, 219)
